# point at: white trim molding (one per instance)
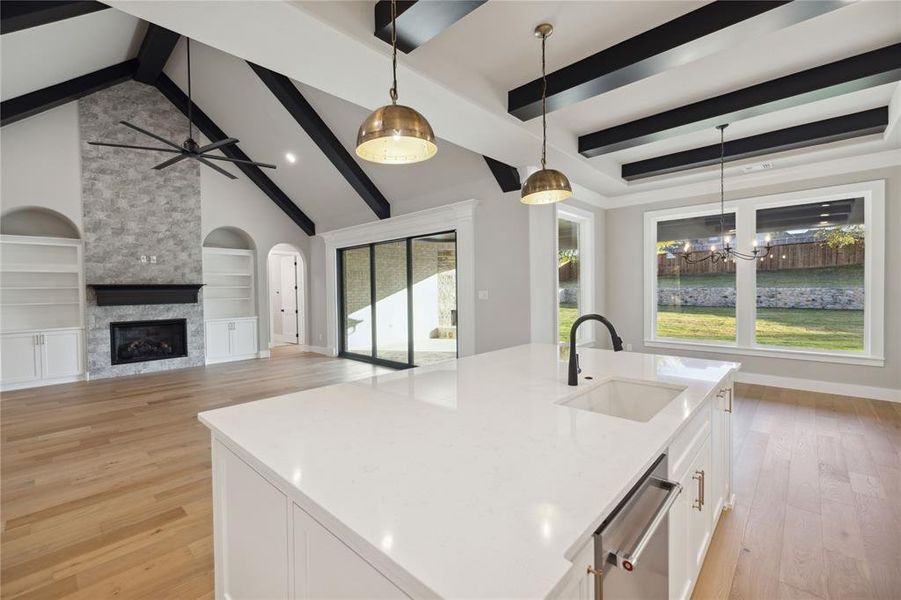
(585, 221)
(458, 217)
(873, 193)
(825, 387)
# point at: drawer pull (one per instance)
(699, 477)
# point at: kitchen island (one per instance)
(480, 477)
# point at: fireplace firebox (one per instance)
(139, 341)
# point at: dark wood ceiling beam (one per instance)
(702, 32)
(16, 15)
(507, 177)
(306, 116)
(418, 22)
(846, 127)
(27, 105)
(844, 76)
(155, 50)
(209, 129)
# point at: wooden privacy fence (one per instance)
(808, 255)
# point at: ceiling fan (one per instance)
(189, 148)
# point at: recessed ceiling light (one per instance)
(824, 222)
(824, 214)
(290, 157)
(825, 204)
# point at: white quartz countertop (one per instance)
(469, 475)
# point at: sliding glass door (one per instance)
(398, 300)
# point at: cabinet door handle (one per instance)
(729, 410)
(598, 582)
(699, 477)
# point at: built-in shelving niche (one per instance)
(41, 277)
(229, 266)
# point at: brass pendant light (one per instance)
(395, 134)
(545, 186)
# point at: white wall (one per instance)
(625, 294)
(239, 203)
(501, 251)
(40, 163)
(41, 166)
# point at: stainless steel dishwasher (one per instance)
(631, 548)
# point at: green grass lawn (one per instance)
(568, 314)
(846, 276)
(789, 327)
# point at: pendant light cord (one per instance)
(722, 129)
(543, 107)
(393, 91)
(190, 102)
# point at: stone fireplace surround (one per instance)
(131, 211)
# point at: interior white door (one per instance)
(60, 354)
(288, 288)
(19, 358)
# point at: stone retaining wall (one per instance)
(847, 298)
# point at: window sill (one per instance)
(785, 353)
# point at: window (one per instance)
(815, 293)
(810, 285)
(695, 301)
(574, 268)
(399, 300)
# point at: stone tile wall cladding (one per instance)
(131, 210)
(846, 298)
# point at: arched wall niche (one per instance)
(229, 237)
(38, 221)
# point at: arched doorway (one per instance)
(287, 315)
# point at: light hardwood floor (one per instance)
(106, 487)
(817, 512)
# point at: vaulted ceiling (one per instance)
(461, 72)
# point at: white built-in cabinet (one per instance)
(700, 460)
(229, 304)
(41, 311)
(231, 339)
(266, 545)
(269, 547)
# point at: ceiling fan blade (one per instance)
(218, 144)
(153, 135)
(111, 145)
(240, 160)
(212, 166)
(172, 161)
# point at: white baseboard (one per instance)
(224, 359)
(8, 387)
(264, 354)
(319, 350)
(827, 387)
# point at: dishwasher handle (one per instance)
(629, 559)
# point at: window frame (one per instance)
(745, 209)
(585, 221)
(342, 335)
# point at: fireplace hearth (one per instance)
(139, 341)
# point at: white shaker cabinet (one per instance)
(20, 359)
(40, 357)
(701, 461)
(231, 339)
(268, 547)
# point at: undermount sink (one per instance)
(626, 399)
